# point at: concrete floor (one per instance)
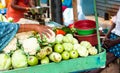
(112, 68)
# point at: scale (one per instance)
(37, 13)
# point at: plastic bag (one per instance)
(68, 15)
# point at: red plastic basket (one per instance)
(90, 38)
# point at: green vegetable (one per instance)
(92, 51)
(67, 46)
(83, 52)
(19, 59)
(41, 54)
(3, 18)
(86, 44)
(5, 62)
(45, 60)
(48, 49)
(76, 46)
(75, 41)
(59, 38)
(67, 30)
(55, 57)
(68, 38)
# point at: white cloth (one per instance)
(116, 20)
(27, 21)
(68, 15)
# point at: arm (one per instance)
(107, 43)
(41, 29)
(17, 7)
(27, 27)
(108, 34)
(32, 3)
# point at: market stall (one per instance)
(62, 53)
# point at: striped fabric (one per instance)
(7, 32)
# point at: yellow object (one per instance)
(2, 4)
(7, 2)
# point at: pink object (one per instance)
(63, 8)
(85, 24)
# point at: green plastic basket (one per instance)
(86, 32)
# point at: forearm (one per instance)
(32, 3)
(27, 27)
(17, 7)
(117, 41)
(113, 26)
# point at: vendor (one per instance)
(111, 42)
(17, 8)
(8, 31)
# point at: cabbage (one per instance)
(92, 51)
(86, 44)
(19, 60)
(5, 61)
(68, 38)
(83, 52)
(69, 35)
(74, 41)
(59, 38)
(76, 46)
(67, 46)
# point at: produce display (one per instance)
(31, 50)
(4, 19)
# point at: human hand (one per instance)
(27, 8)
(105, 38)
(108, 43)
(41, 29)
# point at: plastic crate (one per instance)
(66, 66)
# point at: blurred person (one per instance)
(17, 8)
(111, 42)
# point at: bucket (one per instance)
(90, 38)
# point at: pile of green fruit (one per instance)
(34, 50)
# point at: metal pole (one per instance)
(97, 27)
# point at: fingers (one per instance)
(105, 45)
(45, 30)
(48, 27)
(47, 34)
